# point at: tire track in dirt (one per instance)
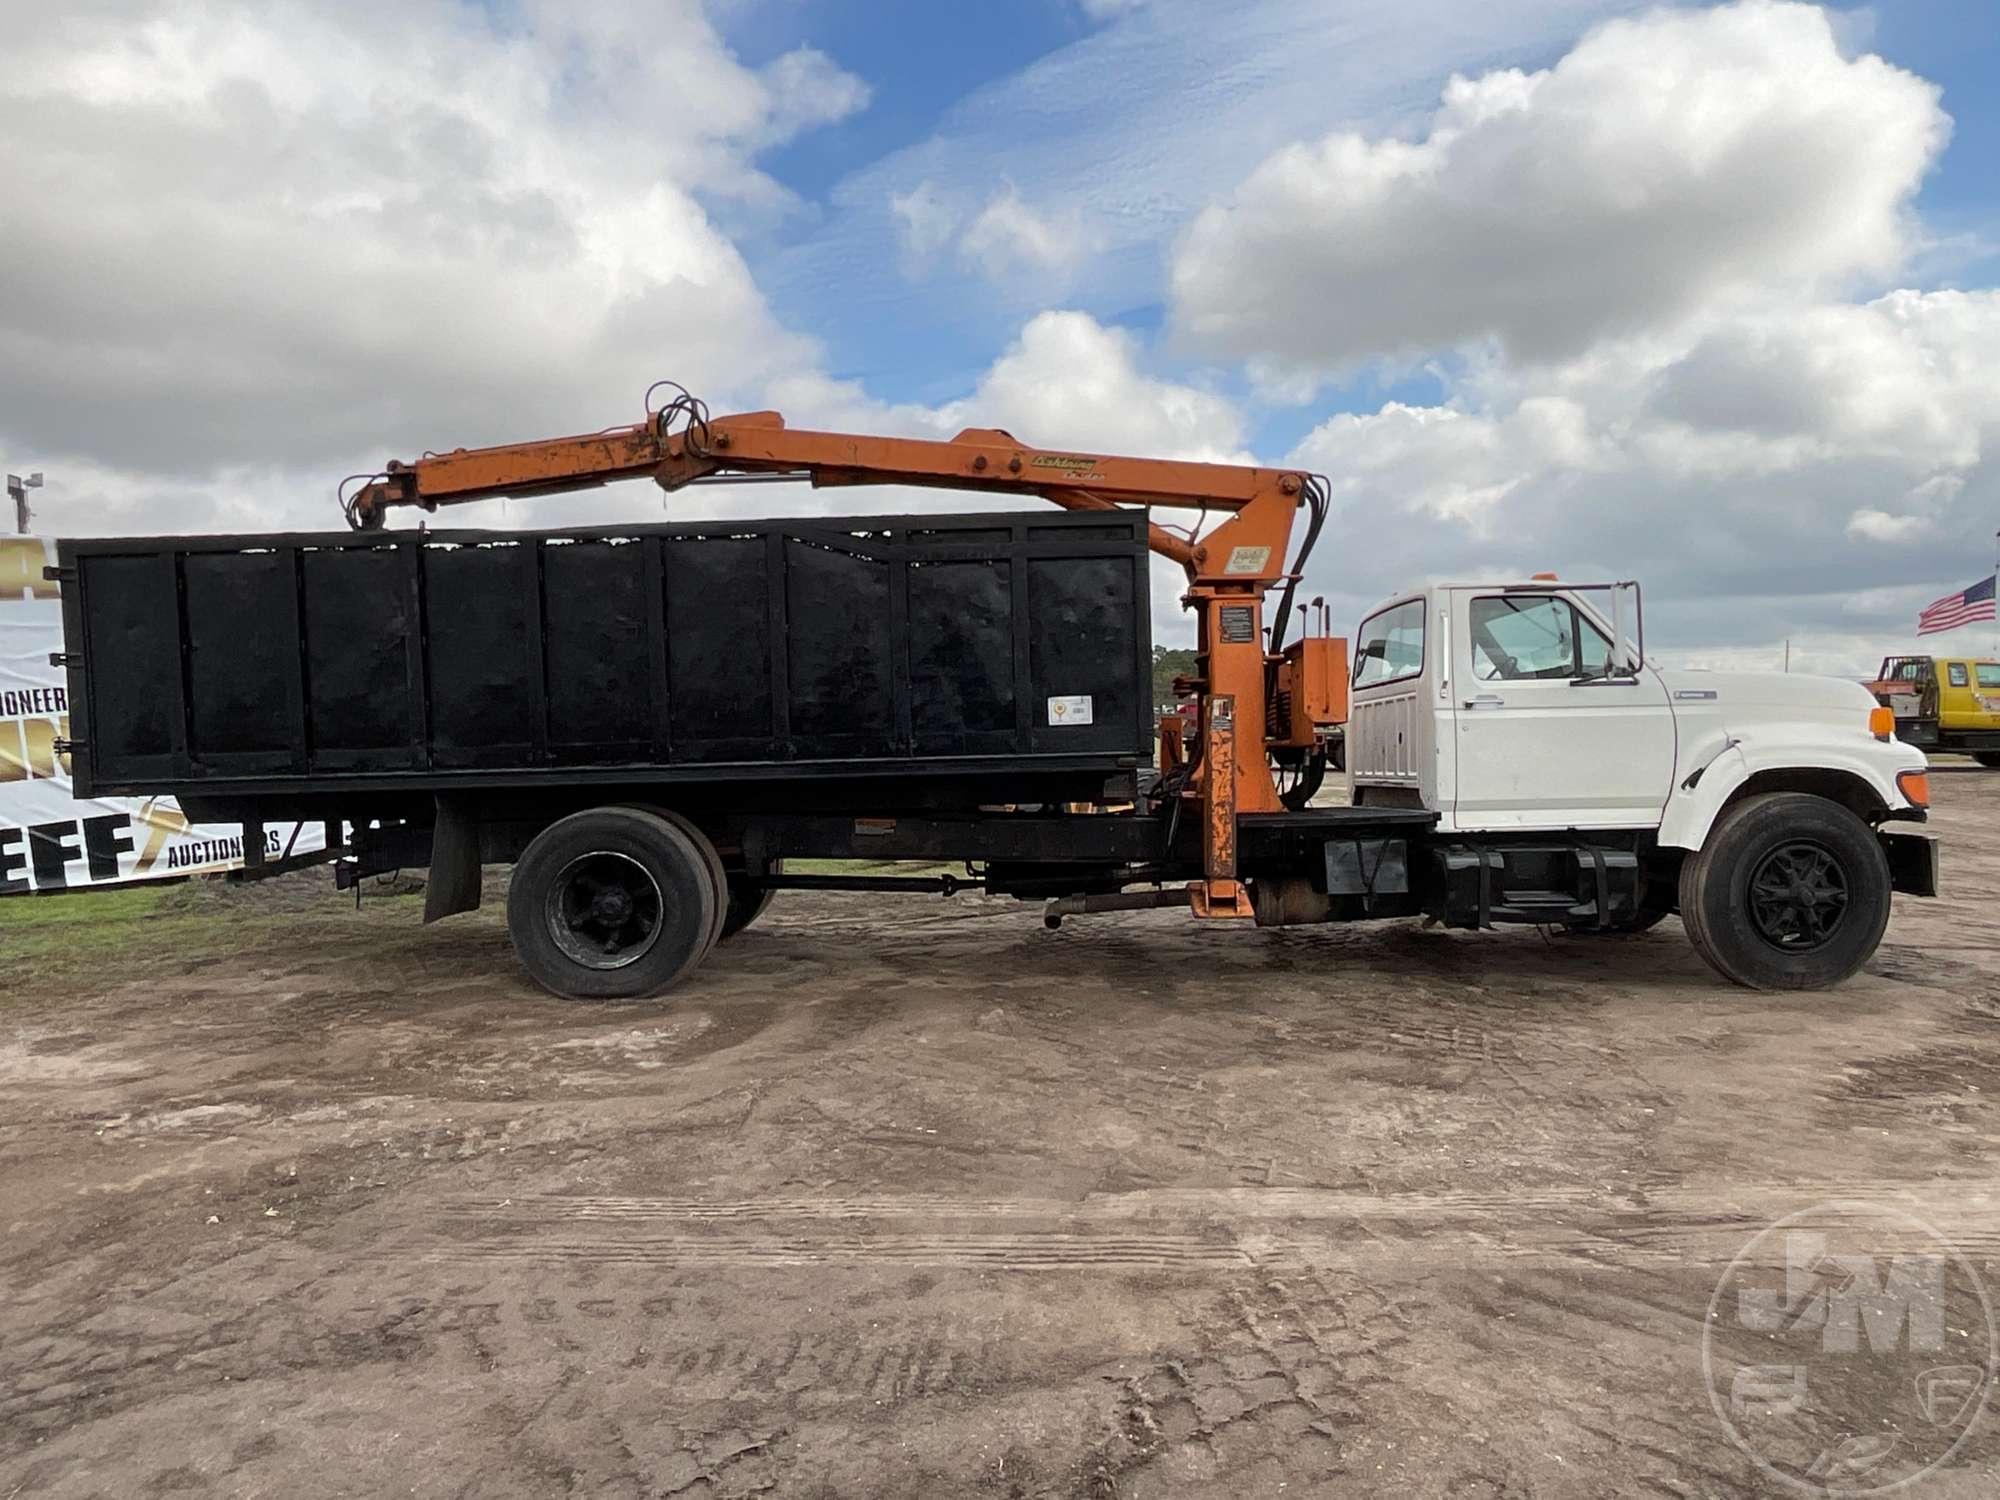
(1263, 1402)
(1185, 1229)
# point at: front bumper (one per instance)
(1913, 861)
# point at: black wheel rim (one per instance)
(1798, 897)
(605, 910)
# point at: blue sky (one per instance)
(940, 72)
(1956, 45)
(980, 96)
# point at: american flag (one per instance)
(1962, 608)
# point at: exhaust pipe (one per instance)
(1077, 906)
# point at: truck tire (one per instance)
(1788, 892)
(1987, 758)
(747, 901)
(611, 904)
(705, 847)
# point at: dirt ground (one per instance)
(917, 1198)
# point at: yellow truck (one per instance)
(1948, 703)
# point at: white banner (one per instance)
(48, 839)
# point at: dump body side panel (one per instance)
(827, 646)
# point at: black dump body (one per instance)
(997, 654)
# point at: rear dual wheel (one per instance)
(744, 897)
(615, 903)
(748, 898)
(1788, 892)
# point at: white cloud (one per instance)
(1814, 469)
(1908, 375)
(1064, 381)
(1006, 237)
(1068, 381)
(291, 237)
(1880, 526)
(1916, 513)
(928, 222)
(1138, 125)
(1009, 236)
(1666, 166)
(806, 89)
(1105, 10)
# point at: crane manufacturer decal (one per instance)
(1075, 466)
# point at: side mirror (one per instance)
(1628, 630)
(1620, 607)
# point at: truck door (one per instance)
(1986, 688)
(1544, 739)
(1958, 708)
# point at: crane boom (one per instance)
(1228, 570)
(761, 443)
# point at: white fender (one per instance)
(1776, 747)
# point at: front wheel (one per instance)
(612, 904)
(1789, 892)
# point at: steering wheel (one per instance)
(1504, 666)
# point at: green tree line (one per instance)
(1167, 665)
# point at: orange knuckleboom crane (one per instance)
(1274, 699)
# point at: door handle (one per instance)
(1486, 700)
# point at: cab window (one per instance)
(1521, 637)
(1956, 672)
(1908, 670)
(1987, 673)
(1391, 645)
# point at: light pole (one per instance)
(17, 491)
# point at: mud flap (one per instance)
(1913, 862)
(453, 886)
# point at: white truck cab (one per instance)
(1525, 716)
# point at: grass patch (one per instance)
(101, 937)
(126, 932)
(871, 867)
(92, 932)
(78, 909)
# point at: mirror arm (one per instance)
(1639, 609)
